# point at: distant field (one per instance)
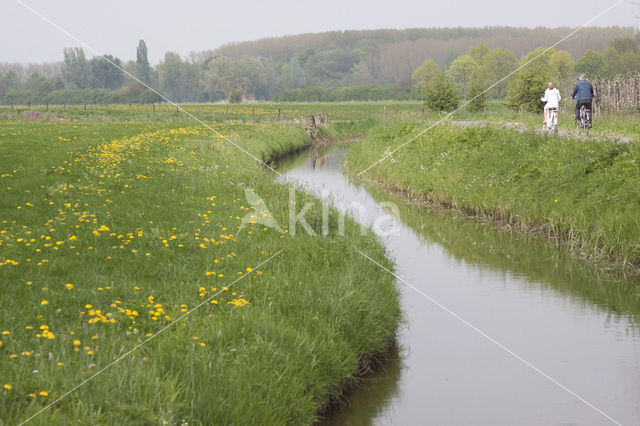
(284, 113)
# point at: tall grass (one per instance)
(109, 231)
(579, 193)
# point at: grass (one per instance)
(583, 194)
(111, 230)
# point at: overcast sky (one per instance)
(115, 26)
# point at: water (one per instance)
(576, 324)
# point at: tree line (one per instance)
(482, 72)
(340, 65)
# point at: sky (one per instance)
(115, 26)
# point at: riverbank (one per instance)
(125, 236)
(579, 194)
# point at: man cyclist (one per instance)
(552, 98)
(583, 94)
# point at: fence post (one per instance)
(226, 112)
(85, 107)
(28, 105)
(129, 107)
(278, 113)
(253, 112)
(154, 107)
(47, 106)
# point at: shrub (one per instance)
(441, 94)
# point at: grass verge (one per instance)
(580, 194)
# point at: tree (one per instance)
(498, 64)
(529, 83)
(625, 44)
(463, 69)
(630, 62)
(104, 74)
(592, 64)
(35, 80)
(144, 69)
(478, 95)
(46, 87)
(75, 69)
(235, 79)
(441, 94)
(425, 73)
(562, 65)
(8, 82)
(613, 62)
(171, 74)
(478, 53)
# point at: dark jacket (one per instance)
(583, 90)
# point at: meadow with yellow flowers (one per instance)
(130, 296)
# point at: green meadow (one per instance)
(132, 295)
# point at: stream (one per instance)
(500, 329)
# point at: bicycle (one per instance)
(585, 122)
(551, 123)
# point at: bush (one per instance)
(527, 88)
(477, 95)
(441, 94)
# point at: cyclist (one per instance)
(552, 98)
(583, 94)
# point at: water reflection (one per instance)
(577, 323)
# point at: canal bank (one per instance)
(575, 323)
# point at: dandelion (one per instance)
(44, 302)
(77, 342)
(69, 286)
(7, 386)
(44, 393)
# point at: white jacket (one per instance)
(552, 98)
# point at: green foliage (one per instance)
(498, 64)
(477, 96)
(582, 192)
(425, 73)
(142, 62)
(529, 83)
(441, 94)
(463, 69)
(104, 75)
(273, 68)
(75, 68)
(625, 44)
(592, 64)
(561, 64)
